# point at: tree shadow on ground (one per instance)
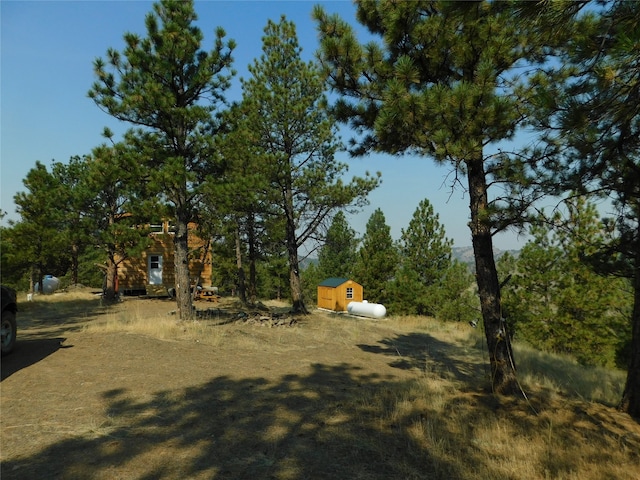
(42, 326)
(41, 319)
(468, 367)
(329, 424)
(424, 352)
(29, 352)
(334, 423)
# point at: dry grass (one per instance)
(134, 319)
(436, 422)
(562, 375)
(469, 433)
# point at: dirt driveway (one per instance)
(282, 402)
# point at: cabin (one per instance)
(336, 293)
(153, 273)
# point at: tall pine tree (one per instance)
(168, 88)
(424, 245)
(439, 81)
(591, 110)
(337, 255)
(295, 140)
(377, 259)
(114, 205)
(427, 282)
(239, 201)
(40, 238)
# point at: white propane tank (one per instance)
(49, 284)
(366, 309)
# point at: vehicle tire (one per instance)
(8, 331)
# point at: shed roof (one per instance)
(333, 282)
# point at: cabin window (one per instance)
(349, 292)
(156, 228)
(171, 227)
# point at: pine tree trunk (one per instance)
(74, 263)
(294, 271)
(181, 264)
(32, 283)
(40, 278)
(631, 396)
(503, 373)
(291, 241)
(251, 236)
(298, 305)
(110, 280)
(242, 294)
(111, 271)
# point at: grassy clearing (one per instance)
(562, 375)
(73, 302)
(475, 435)
(442, 423)
(134, 319)
(563, 431)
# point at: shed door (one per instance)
(155, 269)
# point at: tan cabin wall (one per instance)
(132, 272)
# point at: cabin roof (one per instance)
(333, 282)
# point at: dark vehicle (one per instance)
(9, 310)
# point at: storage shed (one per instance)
(336, 293)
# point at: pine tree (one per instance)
(337, 255)
(428, 282)
(39, 239)
(235, 202)
(407, 294)
(167, 87)
(295, 141)
(71, 202)
(424, 245)
(558, 303)
(112, 201)
(439, 83)
(377, 260)
(425, 254)
(453, 297)
(588, 109)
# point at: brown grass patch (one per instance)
(131, 392)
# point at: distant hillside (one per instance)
(305, 262)
(465, 254)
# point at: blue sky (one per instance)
(48, 49)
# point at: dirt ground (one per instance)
(77, 404)
(252, 402)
